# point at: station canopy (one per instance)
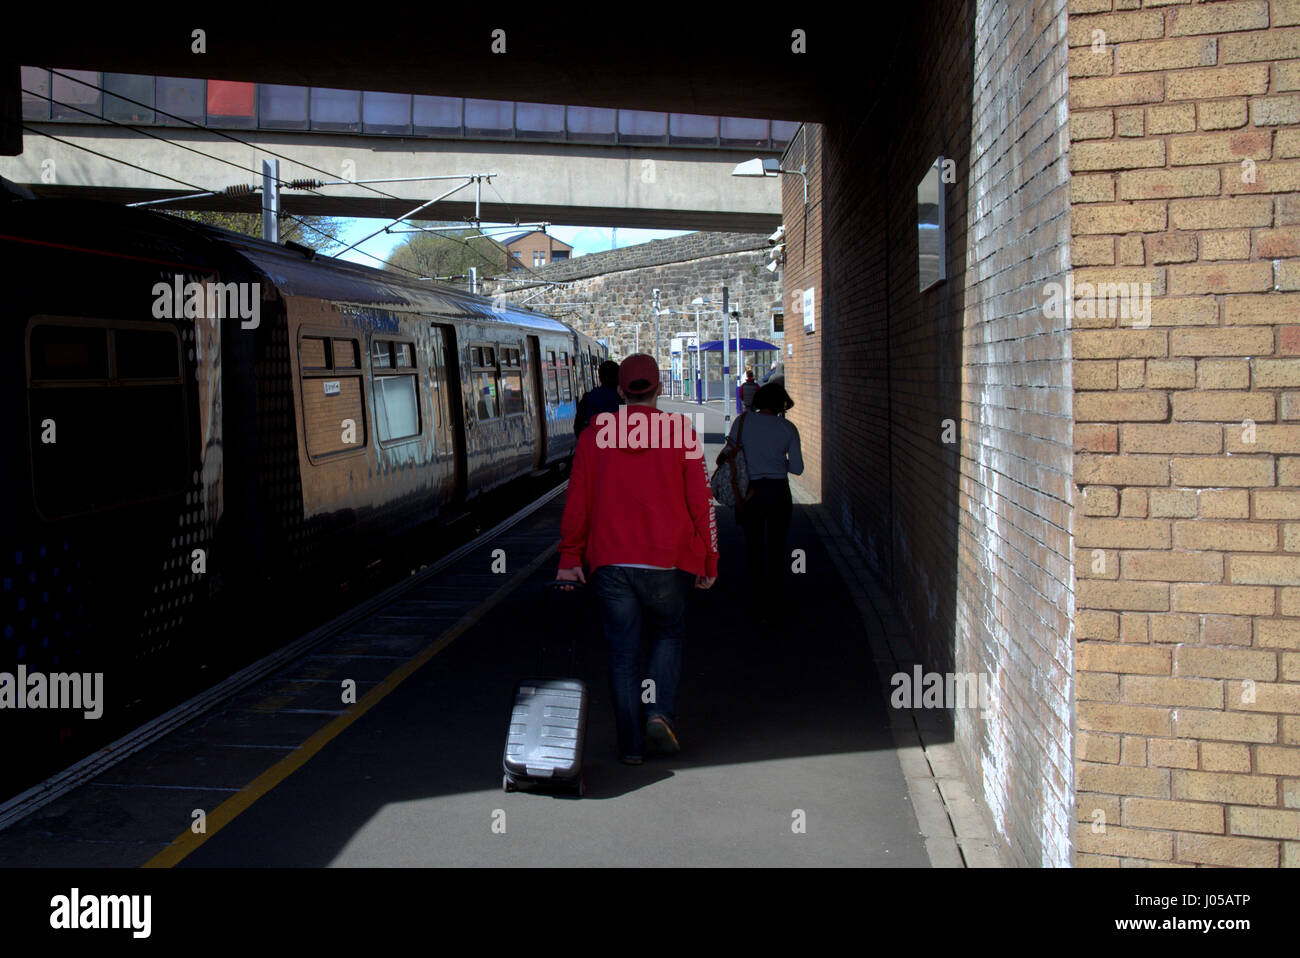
(746, 345)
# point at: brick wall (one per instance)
(1185, 158)
(804, 379)
(944, 424)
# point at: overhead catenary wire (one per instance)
(242, 142)
(193, 186)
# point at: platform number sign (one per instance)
(809, 308)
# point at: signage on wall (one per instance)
(808, 310)
(332, 387)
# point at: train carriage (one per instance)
(215, 424)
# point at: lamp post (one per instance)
(697, 302)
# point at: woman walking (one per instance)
(771, 448)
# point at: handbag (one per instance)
(730, 481)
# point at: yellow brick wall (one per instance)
(1185, 166)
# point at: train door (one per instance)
(539, 401)
(452, 407)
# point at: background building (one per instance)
(532, 248)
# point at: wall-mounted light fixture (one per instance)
(769, 167)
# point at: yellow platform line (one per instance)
(241, 801)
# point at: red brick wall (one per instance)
(1188, 563)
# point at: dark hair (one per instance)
(773, 398)
(608, 373)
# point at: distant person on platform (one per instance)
(748, 389)
(639, 515)
(602, 398)
(775, 375)
(771, 445)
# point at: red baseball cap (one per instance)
(639, 373)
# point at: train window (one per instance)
(397, 411)
(483, 383)
(552, 391)
(87, 379)
(69, 352)
(512, 382)
(345, 354)
(397, 408)
(146, 354)
(566, 378)
(312, 354)
(333, 396)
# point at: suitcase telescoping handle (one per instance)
(561, 598)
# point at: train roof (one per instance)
(293, 271)
(299, 272)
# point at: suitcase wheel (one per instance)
(507, 783)
(582, 787)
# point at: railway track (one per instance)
(391, 616)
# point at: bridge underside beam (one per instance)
(580, 185)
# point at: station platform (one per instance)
(791, 754)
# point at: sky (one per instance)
(583, 239)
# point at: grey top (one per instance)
(771, 445)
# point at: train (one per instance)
(205, 425)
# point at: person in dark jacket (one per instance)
(604, 398)
(772, 451)
(748, 389)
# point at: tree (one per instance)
(448, 253)
(314, 232)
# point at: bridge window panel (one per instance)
(489, 117)
(336, 110)
(179, 97)
(385, 112)
(35, 84)
(590, 124)
(438, 115)
(738, 131)
(783, 132)
(75, 94)
(404, 355)
(313, 353)
(232, 103)
(692, 129)
(642, 126)
(120, 89)
(552, 389)
(397, 411)
(539, 121)
(346, 354)
(282, 107)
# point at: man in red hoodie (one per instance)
(639, 515)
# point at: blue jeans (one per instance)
(629, 597)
